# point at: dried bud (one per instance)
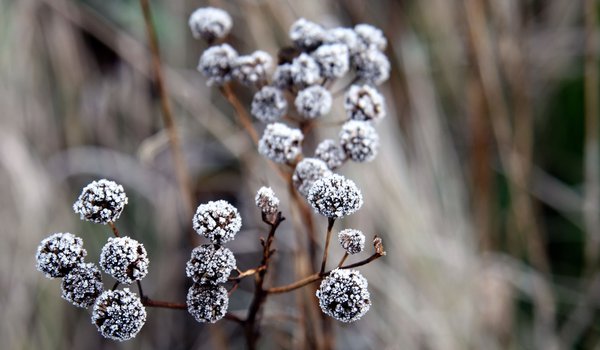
(266, 201)
(306, 35)
(353, 241)
(332, 154)
(252, 69)
(101, 202)
(119, 314)
(305, 71)
(334, 196)
(125, 259)
(269, 104)
(217, 62)
(282, 77)
(82, 285)
(371, 37)
(378, 245)
(307, 171)
(280, 143)
(333, 59)
(210, 264)
(59, 254)
(364, 103)
(207, 303)
(359, 140)
(210, 23)
(372, 65)
(313, 102)
(344, 296)
(218, 221)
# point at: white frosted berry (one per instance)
(252, 69)
(371, 37)
(58, 254)
(306, 35)
(331, 153)
(307, 171)
(217, 62)
(353, 241)
(266, 201)
(101, 202)
(210, 264)
(125, 259)
(210, 23)
(333, 60)
(82, 285)
(345, 36)
(207, 303)
(269, 104)
(282, 77)
(118, 314)
(218, 221)
(305, 71)
(359, 140)
(364, 103)
(313, 102)
(280, 143)
(372, 66)
(335, 196)
(344, 295)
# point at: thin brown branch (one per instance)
(249, 272)
(163, 304)
(343, 259)
(113, 227)
(240, 111)
(330, 223)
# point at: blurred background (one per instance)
(485, 190)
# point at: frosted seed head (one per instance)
(359, 140)
(353, 241)
(269, 104)
(344, 295)
(333, 60)
(58, 254)
(334, 196)
(210, 264)
(207, 303)
(118, 314)
(282, 77)
(252, 69)
(125, 259)
(280, 143)
(371, 37)
(364, 103)
(313, 102)
(266, 201)
(101, 202)
(331, 153)
(305, 71)
(210, 23)
(82, 285)
(372, 65)
(345, 36)
(217, 62)
(306, 35)
(218, 221)
(307, 171)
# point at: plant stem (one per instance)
(343, 259)
(113, 227)
(330, 223)
(240, 111)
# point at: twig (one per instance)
(240, 111)
(113, 227)
(249, 272)
(343, 259)
(330, 223)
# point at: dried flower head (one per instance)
(280, 143)
(307, 171)
(269, 104)
(306, 35)
(334, 196)
(82, 285)
(331, 153)
(345, 36)
(364, 103)
(305, 71)
(118, 314)
(353, 241)
(58, 254)
(207, 303)
(372, 65)
(210, 23)
(218, 221)
(333, 59)
(359, 140)
(210, 264)
(217, 62)
(125, 259)
(371, 37)
(266, 201)
(252, 69)
(282, 77)
(313, 102)
(344, 296)
(101, 202)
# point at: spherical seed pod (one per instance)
(372, 66)
(307, 171)
(58, 254)
(101, 202)
(345, 36)
(207, 303)
(306, 35)
(364, 103)
(313, 102)
(125, 259)
(334, 196)
(210, 264)
(333, 60)
(118, 314)
(282, 77)
(217, 62)
(252, 69)
(218, 221)
(280, 143)
(266, 201)
(359, 140)
(331, 153)
(353, 241)
(371, 37)
(269, 104)
(344, 295)
(210, 23)
(82, 285)
(305, 71)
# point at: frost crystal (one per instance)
(119, 314)
(210, 23)
(266, 201)
(125, 259)
(252, 69)
(217, 62)
(306, 35)
(305, 71)
(359, 140)
(207, 303)
(269, 104)
(210, 264)
(364, 103)
(282, 77)
(333, 59)
(58, 254)
(353, 241)
(344, 36)
(344, 296)
(313, 102)
(307, 171)
(372, 65)
(101, 202)
(371, 37)
(218, 221)
(334, 196)
(82, 285)
(332, 154)
(280, 143)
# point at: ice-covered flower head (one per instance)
(282, 77)
(345, 36)
(101, 202)
(307, 171)
(372, 65)
(269, 104)
(210, 264)
(359, 140)
(305, 71)
(335, 196)
(371, 37)
(306, 35)
(313, 102)
(59, 254)
(252, 69)
(218, 221)
(119, 314)
(333, 59)
(217, 62)
(280, 143)
(210, 23)
(344, 295)
(353, 241)
(125, 259)
(364, 103)
(266, 201)
(331, 153)
(207, 303)
(82, 285)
